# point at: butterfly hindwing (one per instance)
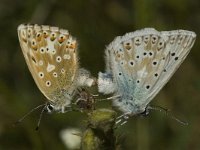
(141, 63)
(51, 56)
(178, 46)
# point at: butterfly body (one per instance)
(51, 56)
(140, 63)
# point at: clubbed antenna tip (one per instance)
(168, 113)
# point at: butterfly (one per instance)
(51, 56)
(139, 64)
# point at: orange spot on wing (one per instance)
(73, 45)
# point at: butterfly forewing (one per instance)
(51, 56)
(178, 46)
(142, 62)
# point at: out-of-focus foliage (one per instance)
(95, 23)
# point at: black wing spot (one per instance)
(131, 63)
(154, 63)
(148, 86)
(172, 54)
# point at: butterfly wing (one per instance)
(51, 56)
(142, 62)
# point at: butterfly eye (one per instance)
(50, 107)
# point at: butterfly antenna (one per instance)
(41, 114)
(167, 112)
(27, 114)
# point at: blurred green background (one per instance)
(95, 23)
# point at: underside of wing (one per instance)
(143, 61)
(51, 56)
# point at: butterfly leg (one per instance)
(122, 119)
(108, 98)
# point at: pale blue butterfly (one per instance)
(140, 63)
